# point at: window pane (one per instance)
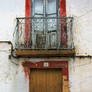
(39, 6)
(51, 6)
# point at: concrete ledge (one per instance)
(45, 53)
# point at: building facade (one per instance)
(51, 46)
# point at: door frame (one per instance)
(28, 65)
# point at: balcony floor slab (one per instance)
(44, 53)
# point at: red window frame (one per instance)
(63, 27)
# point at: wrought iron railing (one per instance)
(44, 33)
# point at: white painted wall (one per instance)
(81, 10)
(81, 75)
(9, 10)
(12, 78)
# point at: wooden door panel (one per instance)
(38, 81)
(45, 80)
(54, 80)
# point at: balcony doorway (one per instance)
(45, 32)
(45, 8)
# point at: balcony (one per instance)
(42, 36)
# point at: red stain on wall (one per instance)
(51, 64)
(27, 23)
(27, 72)
(63, 25)
(62, 8)
(27, 8)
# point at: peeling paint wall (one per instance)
(12, 76)
(81, 75)
(82, 13)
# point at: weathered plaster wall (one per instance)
(81, 75)
(9, 10)
(12, 77)
(81, 10)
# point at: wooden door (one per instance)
(46, 80)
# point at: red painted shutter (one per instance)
(27, 23)
(63, 26)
